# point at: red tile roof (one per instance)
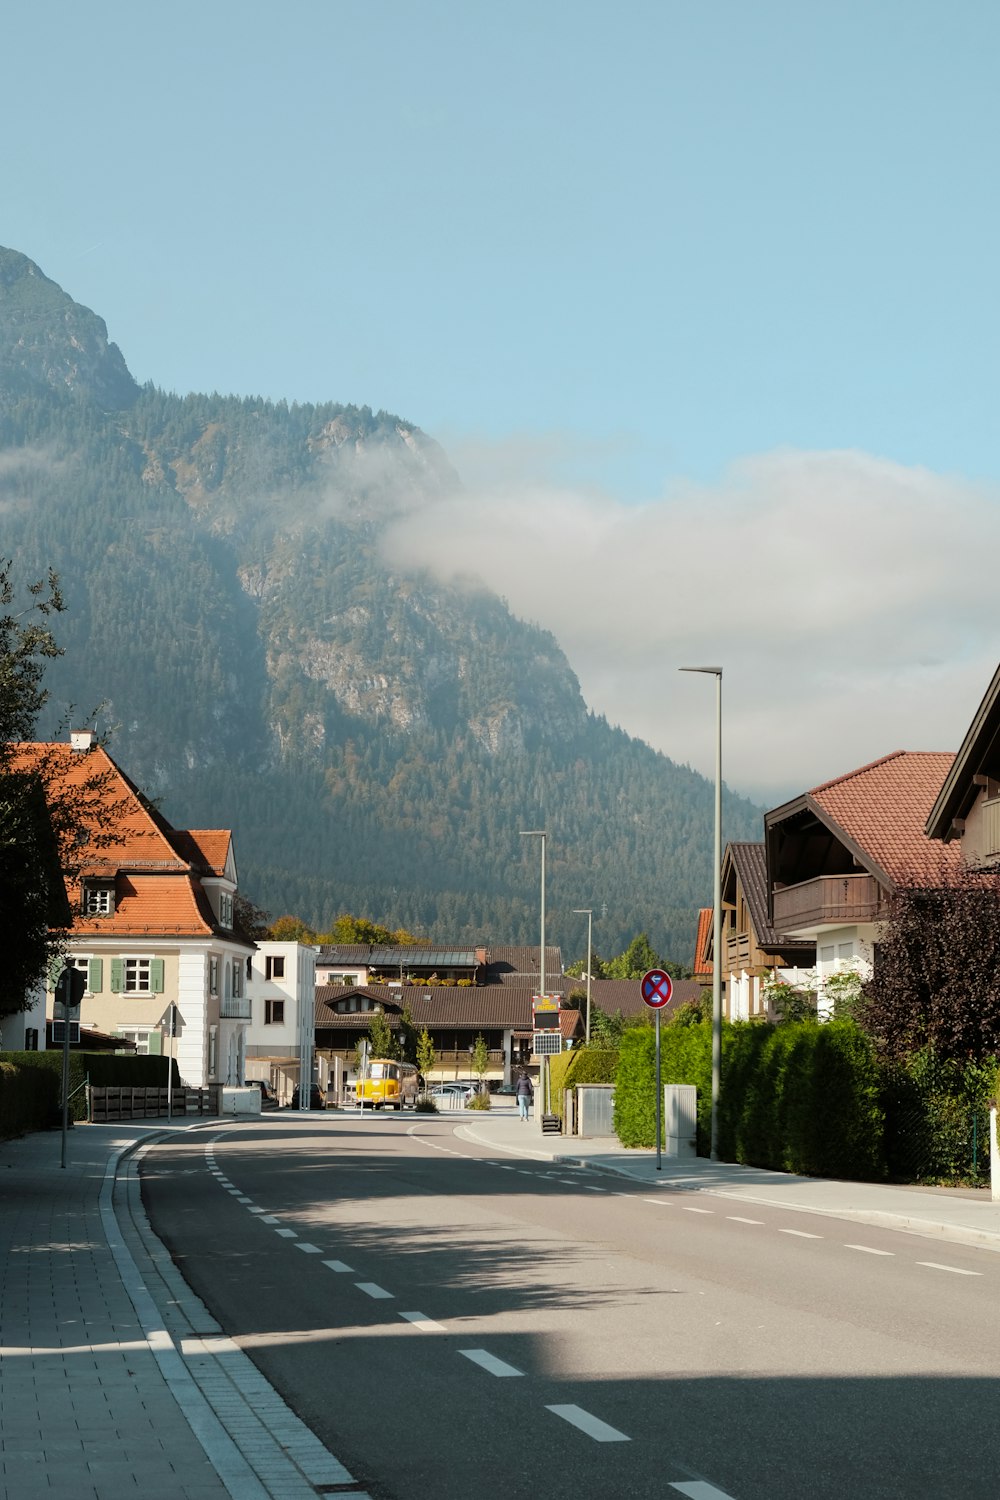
(156, 890)
(702, 966)
(883, 807)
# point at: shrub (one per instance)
(103, 1069)
(425, 1105)
(481, 1100)
(593, 1064)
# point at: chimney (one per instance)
(82, 740)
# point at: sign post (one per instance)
(657, 988)
(69, 991)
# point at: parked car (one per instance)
(461, 1092)
(505, 1088)
(316, 1100)
(268, 1098)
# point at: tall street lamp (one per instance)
(716, 672)
(540, 833)
(585, 911)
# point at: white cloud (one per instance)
(851, 602)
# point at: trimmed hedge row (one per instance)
(796, 1097)
(29, 1100)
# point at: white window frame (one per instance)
(137, 968)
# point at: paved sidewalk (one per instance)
(963, 1216)
(102, 1394)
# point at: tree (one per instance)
(291, 930)
(426, 1053)
(48, 820)
(638, 958)
(351, 929)
(249, 919)
(381, 1040)
(480, 1059)
(936, 977)
(407, 1036)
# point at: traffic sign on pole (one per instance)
(657, 988)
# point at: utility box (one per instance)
(595, 1109)
(680, 1120)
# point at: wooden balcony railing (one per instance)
(828, 901)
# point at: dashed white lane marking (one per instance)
(737, 1220)
(869, 1250)
(422, 1321)
(592, 1426)
(234, 1192)
(242, 1198)
(287, 1234)
(801, 1234)
(339, 1265)
(934, 1265)
(309, 1249)
(660, 1202)
(257, 1210)
(690, 1209)
(697, 1489)
(590, 1189)
(372, 1289)
(270, 1219)
(490, 1362)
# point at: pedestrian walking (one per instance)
(524, 1093)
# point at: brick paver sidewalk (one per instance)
(84, 1407)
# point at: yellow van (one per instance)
(389, 1085)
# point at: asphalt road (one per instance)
(450, 1321)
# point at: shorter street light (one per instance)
(586, 911)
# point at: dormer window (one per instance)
(98, 898)
(225, 909)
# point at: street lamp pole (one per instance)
(584, 911)
(716, 672)
(539, 833)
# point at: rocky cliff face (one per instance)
(48, 340)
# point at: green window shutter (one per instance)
(55, 969)
(117, 976)
(156, 975)
(95, 975)
(154, 1042)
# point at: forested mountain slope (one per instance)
(375, 740)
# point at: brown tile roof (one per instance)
(465, 1009)
(702, 966)
(749, 863)
(519, 960)
(883, 807)
(624, 996)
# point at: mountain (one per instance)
(376, 739)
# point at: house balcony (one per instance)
(737, 951)
(828, 901)
(235, 1008)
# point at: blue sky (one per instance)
(640, 267)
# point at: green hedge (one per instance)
(582, 1065)
(799, 1097)
(104, 1069)
(29, 1099)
